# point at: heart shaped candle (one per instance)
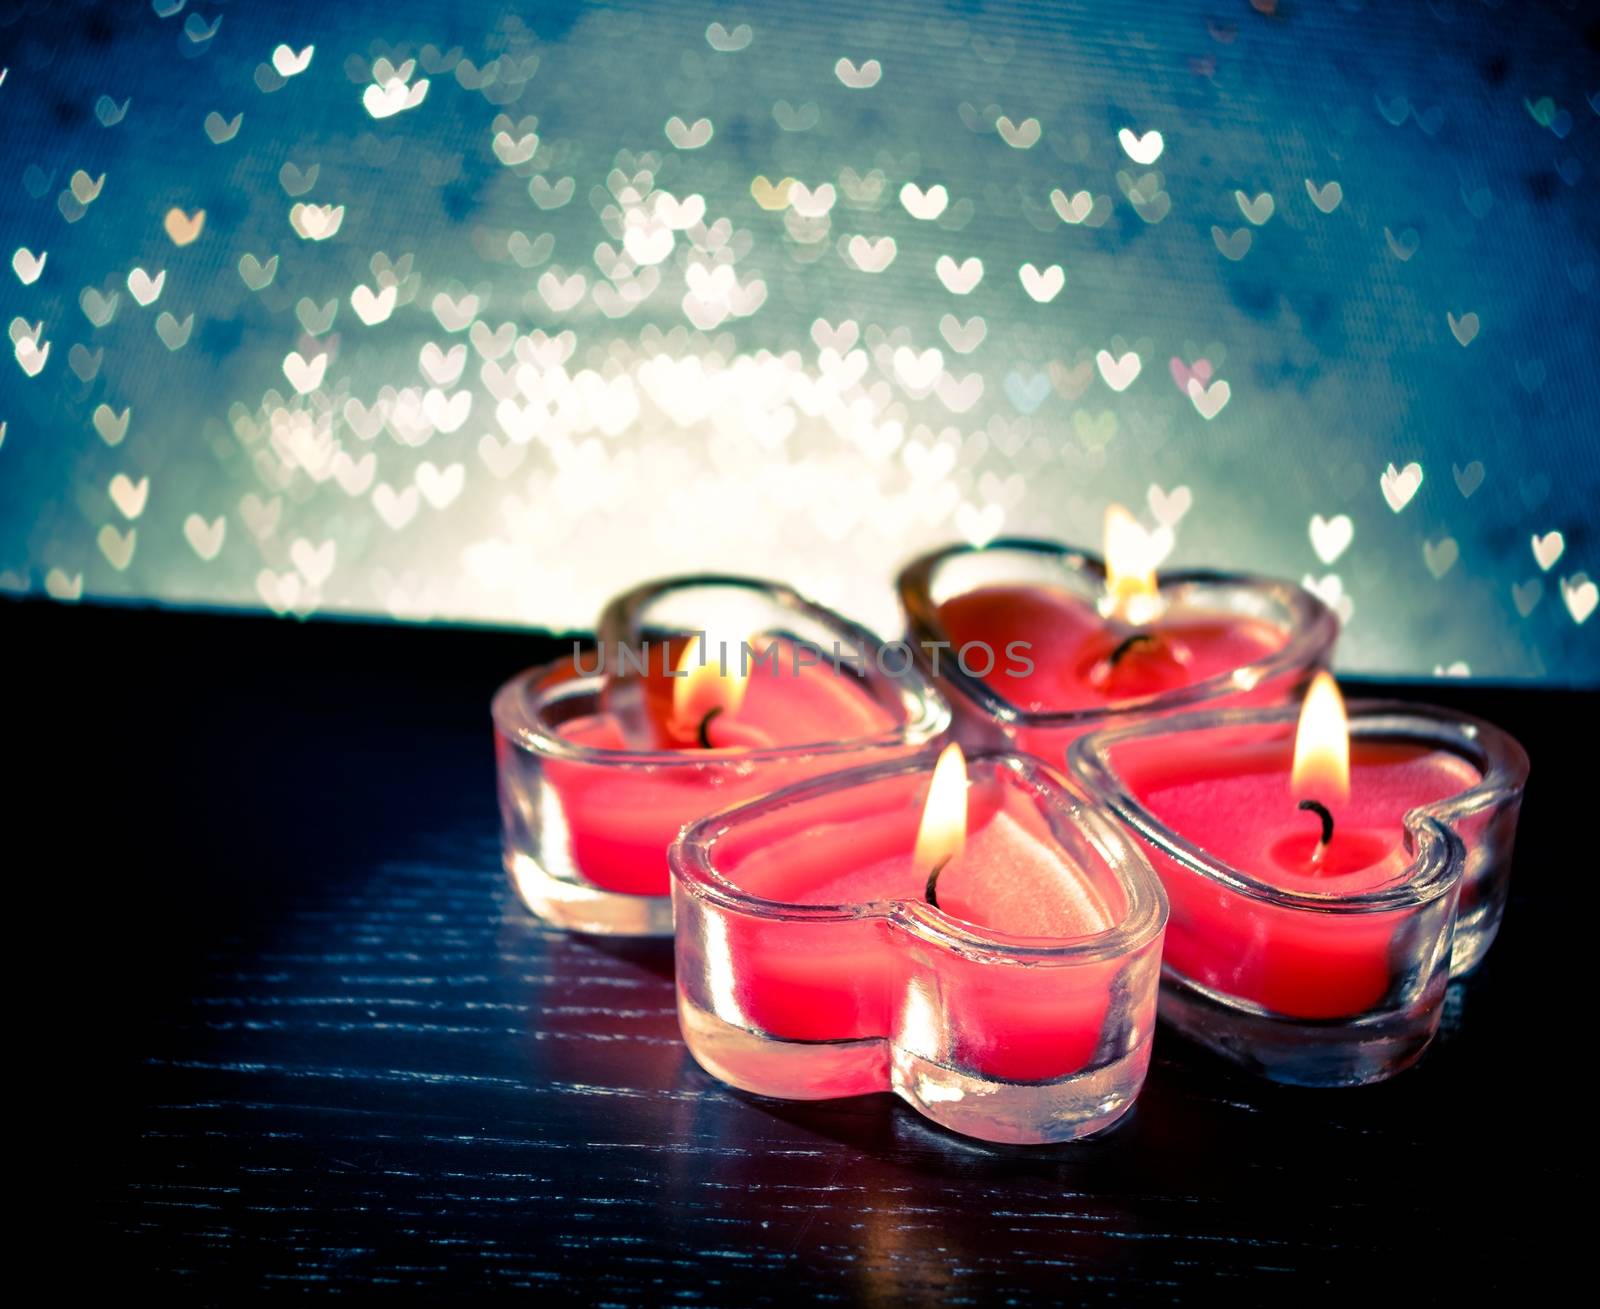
(1321, 873)
(988, 951)
(1035, 643)
(604, 756)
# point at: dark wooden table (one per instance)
(311, 1043)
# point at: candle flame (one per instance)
(1131, 557)
(703, 686)
(944, 814)
(1322, 745)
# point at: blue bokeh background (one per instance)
(738, 389)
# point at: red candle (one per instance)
(1037, 644)
(1325, 883)
(1007, 876)
(1314, 814)
(603, 757)
(619, 822)
(903, 931)
(1076, 658)
(1127, 646)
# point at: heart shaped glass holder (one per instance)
(986, 719)
(587, 815)
(1237, 945)
(999, 1037)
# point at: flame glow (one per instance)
(1131, 555)
(1322, 745)
(711, 676)
(943, 832)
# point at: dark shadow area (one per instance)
(306, 1031)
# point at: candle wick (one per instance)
(1321, 811)
(1127, 644)
(705, 723)
(933, 877)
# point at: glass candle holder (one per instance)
(996, 1036)
(1485, 816)
(1324, 982)
(589, 801)
(1298, 633)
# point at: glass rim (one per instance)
(1312, 628)
(1438, 853)
(617, 618)
(519, 706)
(531, 732)
(691, 859)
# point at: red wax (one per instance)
(619, 818)
(1230, 795)
(1072, 644)
(791, 698)
(851, 979)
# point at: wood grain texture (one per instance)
(329, 1052)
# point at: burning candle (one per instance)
(986, 947)
(604, 756)
(1315, 868)
(1036, 643)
